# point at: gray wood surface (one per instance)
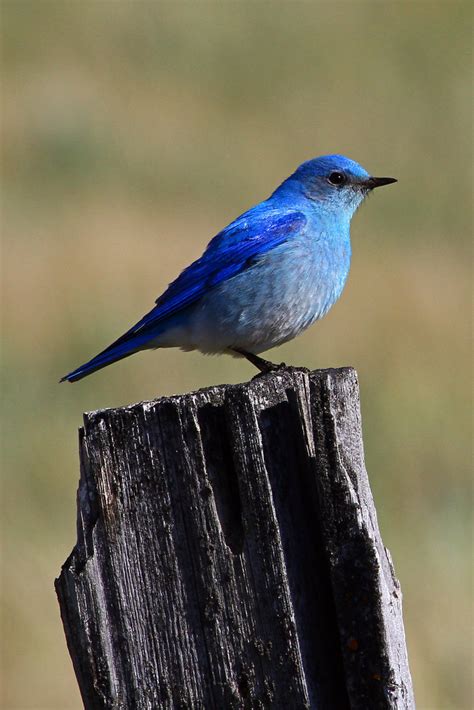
(229, 555)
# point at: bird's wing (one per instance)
(231, 251)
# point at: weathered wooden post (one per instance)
(229, 556)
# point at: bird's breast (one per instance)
(284, 292)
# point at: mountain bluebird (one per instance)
(265, 278)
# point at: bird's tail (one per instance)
(121, 348)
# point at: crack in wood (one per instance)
(229, 556)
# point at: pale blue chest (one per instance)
(288, 289)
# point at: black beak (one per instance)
(378, 182)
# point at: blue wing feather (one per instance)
(235, 248)
(226, 255)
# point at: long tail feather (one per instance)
(116, 351)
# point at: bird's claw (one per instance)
(272, 367)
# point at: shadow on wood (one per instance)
(229, 556)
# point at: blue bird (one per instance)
(265, 278)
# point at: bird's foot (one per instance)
(265, 366)
(282, 366)
(275, 368)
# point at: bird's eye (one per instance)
(337, 179)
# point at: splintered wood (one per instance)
(228, 554)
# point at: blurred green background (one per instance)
(133, 132)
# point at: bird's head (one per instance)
(334, 182)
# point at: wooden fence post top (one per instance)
(229, 556)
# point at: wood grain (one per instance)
(228, 554)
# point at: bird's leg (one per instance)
(264, 366)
